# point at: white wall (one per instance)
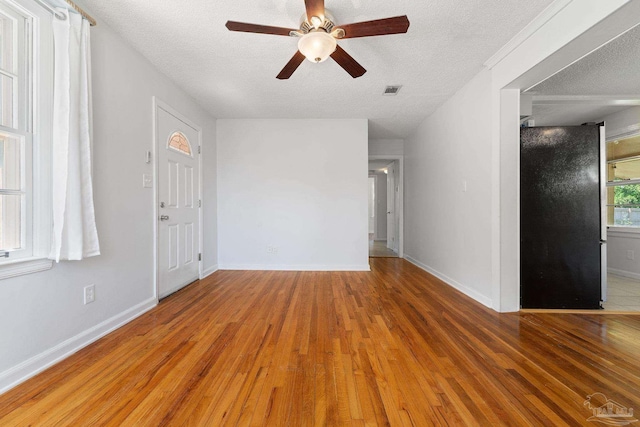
(447, 230)
(619, 260)
(386, 147)
(42, 315)
(283, 185)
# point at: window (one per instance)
(179, 142)
(623, 182)
(25, 132)
(16, 136)
(12, 193)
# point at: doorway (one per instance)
(549, 45)
(386, 214)
(623, 221)
(372, 204)
(574, 96)
(178, 202)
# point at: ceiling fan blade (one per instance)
(314, 8)
(349, 64)
(378, 27)
(260, 29)
(291, 66)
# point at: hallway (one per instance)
(378, 249)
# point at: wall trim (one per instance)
(209, 271)
(623, 273)
(24, 266)
(623, 234)
(624, 132)
(38, 363)
(538, 22)
(453, 283)
(301, 267)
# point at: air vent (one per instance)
(391, 90)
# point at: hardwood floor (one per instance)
(391, 347)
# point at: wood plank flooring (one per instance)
(394, 346)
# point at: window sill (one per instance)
(24, 266)
(624, 232)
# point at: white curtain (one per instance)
(74, 228)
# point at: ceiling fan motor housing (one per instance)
(325, 22)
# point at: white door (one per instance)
(396, 204)
(391, 208)
(178, 199)
(372, 205)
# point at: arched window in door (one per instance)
(180, 143)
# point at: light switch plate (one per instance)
(147, 181)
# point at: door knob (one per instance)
(164, 217)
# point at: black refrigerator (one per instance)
(562, 217)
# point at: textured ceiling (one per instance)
(614, 69)
(610, 73)
(232, 75)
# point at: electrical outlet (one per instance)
(89, 294)
(147, 181)
(631, 255)
(272, 249)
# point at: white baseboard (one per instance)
(209, 271)
(454, 284)
(29, 368)
(623, 273)
(364, 267)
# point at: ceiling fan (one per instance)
(319, 34)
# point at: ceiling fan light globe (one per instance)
(317, 46)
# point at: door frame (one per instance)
(527, 60)
(400, 158)
(375, 203)
(631, 131)
(159, 104)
